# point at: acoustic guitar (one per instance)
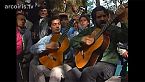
(54, 57)
(89, 55)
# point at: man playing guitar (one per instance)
(103, 49)
(48, 55)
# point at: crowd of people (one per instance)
(52, 47)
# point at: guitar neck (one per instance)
(99, 31)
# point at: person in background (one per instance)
(83, 23)
(28, 23)
(40, 27)
(64, 22)
(74, 30)
(23, 44)
(123, 46)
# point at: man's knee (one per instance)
(57, 71)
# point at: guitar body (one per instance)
(54, 57)
(91, 53)
(99, 52)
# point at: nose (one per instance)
(102, 18)
(23, 21)
(57, 27)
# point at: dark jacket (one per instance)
(27, 43)
(40, 30)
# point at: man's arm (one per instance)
(40, 46)
(122, 50)
(77, 41)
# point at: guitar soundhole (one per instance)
(54, 59)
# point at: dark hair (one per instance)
(43, 7)
(51, 19)
(19, 14)
(86, 16)
(98, 8)
(63, 17)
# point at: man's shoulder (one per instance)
(27, 31)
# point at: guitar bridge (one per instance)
(54, 59)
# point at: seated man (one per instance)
(48, 46)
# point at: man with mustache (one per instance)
(40, 27)
(105, 66)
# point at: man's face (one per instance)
(55, 26)
(76, 25)
(21, 21)
(101, 17)
(64, 22)
(43, 13)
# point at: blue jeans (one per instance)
(100, 72)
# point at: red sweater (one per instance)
(19, 44)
